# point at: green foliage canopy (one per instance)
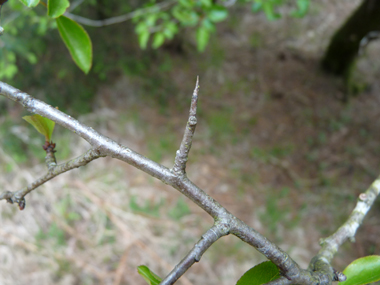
(155, 22)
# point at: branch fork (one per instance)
(319, 272)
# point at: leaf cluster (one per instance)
(154, 22)
(73, 35)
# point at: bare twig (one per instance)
(211, 236)
(227, 223)
(184, 149)
(119, 19)
(75, 4)
(18, 197)
(320, 273)
(347, 231)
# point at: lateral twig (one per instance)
(211, 236)
(53, 171)
(119, 19)
(184, 149)
(347, 231)
(320, 270)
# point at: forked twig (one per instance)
(319, 272)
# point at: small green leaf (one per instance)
(141, 27)
(77, 41)
(148, 275)
(143, 39)
(43, 125)
(158, 40)
(208, 25)
(303, 7)
(56, 8)
(203, 35)
(217, 13)
(269, 10)
(30, 3)
(206, 3)
(363, 271)
(260, 274)
(170, 29)
(187, 3)
(185, 16)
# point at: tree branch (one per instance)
(53, 171)
(119, 19)
(184, 149)
(347, 231)
(211, 236)
(75, 4)
(320, 270)
(225, 222)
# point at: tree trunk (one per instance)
(345, 44)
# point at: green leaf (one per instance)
(203, 35)
(30, 3)
(260, 274)
(270, 12)
(184, 16)
(303, 7)
(187, 3)
(208, 25)
(56, 8)
(148, 275)
(206, 3)
(158, 40)
(170, 29)
(77, 41)
(143, 38)
(363, 271)
(141, 27)
(217, 13)
(43, 125)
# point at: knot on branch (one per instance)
(363, 197)
(339, 276)
(11, 198)
(49, 147)
(192, 120)
(50, 159)
(223, 226)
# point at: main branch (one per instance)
(224, 221)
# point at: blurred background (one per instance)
(275, 144)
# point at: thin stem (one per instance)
(347, 231)
(184, 149)
(211, 236)
(119, 19)
(75, 4)
(18, 196)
